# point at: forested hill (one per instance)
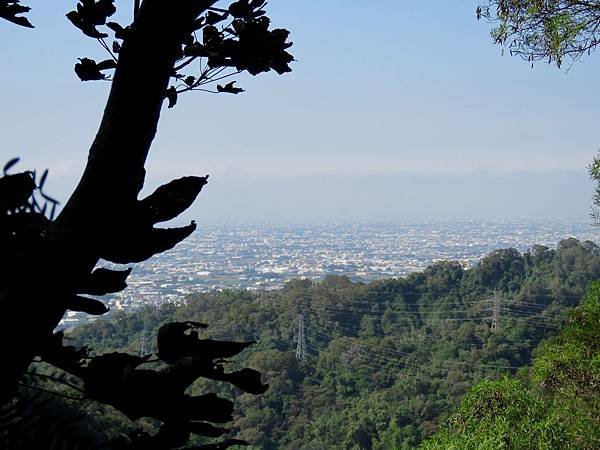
(385, 361)
(553, 405)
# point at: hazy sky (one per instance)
(394, 109)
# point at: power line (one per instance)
(369, 307)
(425, 358)
(416, 359)
(381, 364)
(426, 366)
(459, 294)
(350, 312)
(387, 310)
(363, 311)
(421, 357)
(338, 302)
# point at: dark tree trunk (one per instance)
(106, 196)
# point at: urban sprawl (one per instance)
(263, 257)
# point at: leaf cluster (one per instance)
(11, 9)
(220, 44)
(544, 30)
(140, 388)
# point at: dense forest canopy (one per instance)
(555, 404)
(386, 361)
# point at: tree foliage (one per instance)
(12, 11)
(219, 44)
(544, 30)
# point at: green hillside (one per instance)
(556, 405)
(386, 362)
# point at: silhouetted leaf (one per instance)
(257, 49)
(10, 164)
(189, 80)
(105, 281)
(213, 18)
(211, 36)
(139, 245)
(9, 10)
(86, 305)
(88, 30)
(120, 32)
(88, 70)
(248, 380)
(171, 199)
(240, 9)
(195, 49)
(184, 327)
(97, 11)
(209, 407)
(171, 96)
(16, 189)
(90, 14)
(175, 334)
(247, 8)
(67, 357)
(230, 88)
(173, 347)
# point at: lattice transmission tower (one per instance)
(495, 313)
(301, 353)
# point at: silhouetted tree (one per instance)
(47, 263)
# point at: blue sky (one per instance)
(385, 96)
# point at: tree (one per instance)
(47, 262)
(544, 30)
